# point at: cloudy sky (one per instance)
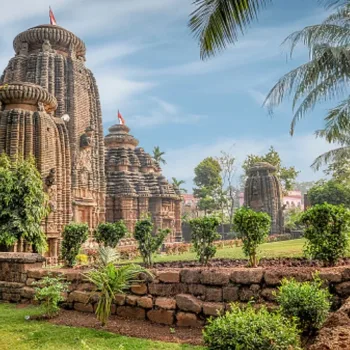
(147, 65)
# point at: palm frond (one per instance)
(330, 156)
(106, 256)
(341, 17)
(217, 23)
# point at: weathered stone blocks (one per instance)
(186, 319)
(215, 278)
(161, 316)
(187, 302)
(131, 312)
(166, 303)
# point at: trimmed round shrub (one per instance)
(326, 232)
(74, 235)
(306, 301)
(253, 228)
(109, 234)
(251, 329)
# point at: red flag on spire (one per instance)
(52, 18)
(121, 119)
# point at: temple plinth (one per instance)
(263, 192)
(136, 187)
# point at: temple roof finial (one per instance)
(121, 119)
(52, 17)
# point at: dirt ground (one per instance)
(131, 328)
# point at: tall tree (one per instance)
(229, 192)
(208, 182)
(324, 77)
(218, 23)
(23, 203)
(178, 183)
(287, 175)
(158, 155)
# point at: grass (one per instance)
(291, 248)
(18, 334)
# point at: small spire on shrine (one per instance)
(52, 17)
(121, 119)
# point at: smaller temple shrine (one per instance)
(263, 192)
(135, 185)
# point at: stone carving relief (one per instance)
(24, 49)
(47, 46)
(84, 163)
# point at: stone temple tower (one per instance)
(135, 185)
(48, 80)
(263, 192)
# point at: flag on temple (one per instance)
(52, 18)
(121, 119)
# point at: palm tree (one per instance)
(158, 155)
(178, 183)
(217, 23)
(325, 77)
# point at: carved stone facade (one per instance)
(135, 185)
(263, 192)
(45, 80)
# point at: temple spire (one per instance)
(52, 17)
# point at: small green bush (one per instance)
(110, 234)
(253, 228)
(82, 259)
(74, 235)
(240, 329)
(307, 301)
(49, 293)
(204, 233)
(147, 243)
(326, 232)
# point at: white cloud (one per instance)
(299, 151)
(163, 112)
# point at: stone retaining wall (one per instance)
(186, 297)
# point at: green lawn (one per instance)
(291, 248)
(18, 334)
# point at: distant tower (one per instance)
(135, 185)
(263, 192)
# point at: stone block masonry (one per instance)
(183, 297)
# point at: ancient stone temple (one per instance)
(51, 109)
(135, 185)
(263, 192)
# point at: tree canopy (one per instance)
(23, 203)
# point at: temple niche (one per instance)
(263, 192)
(52, 110)
(136, 187)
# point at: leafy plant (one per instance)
(106, 256)
(49, 293)
(108, 281)
(158, 155)
(74, 235)
(251, 329)
(307, 301)
(204, 233)
(23, 203)
(110, 233)
(326, 232)
(147, 243)
(253, 228)
(292, 218)
(82, 259)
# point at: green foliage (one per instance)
(253, 228)
(82, 259)
(286, 175)
(106, 256)
(158, 155)
(110, 233)
(23, 203)
(178, 183)
(251, 329)
(306, 301)
(326, 232)
(49, 293)
(331, 191)
(204, 233)
(109, 281)
(208, 181)
(292, 218)
(74, 235)
(147, 243)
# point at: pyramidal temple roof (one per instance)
(131, 170)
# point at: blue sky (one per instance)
(147, 65)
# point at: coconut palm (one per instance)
(324, 77)
(217, 23)
(158, 155)
(178, 183)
